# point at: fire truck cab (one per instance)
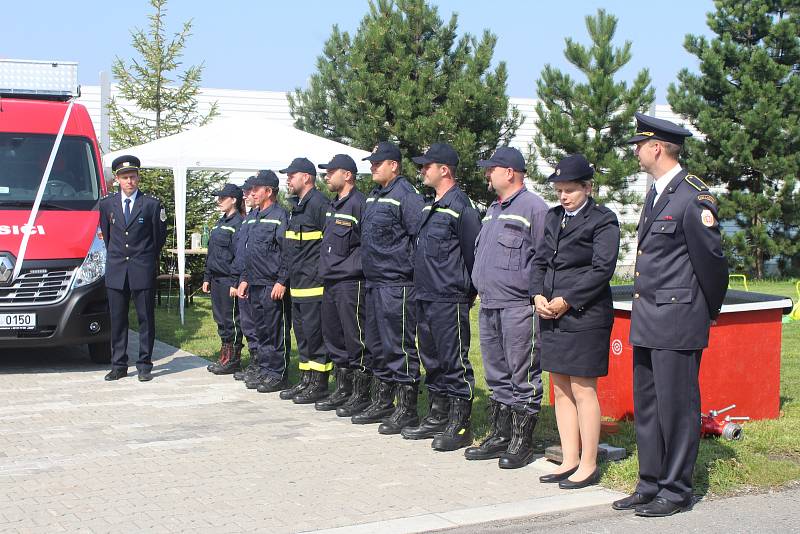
(52, 257)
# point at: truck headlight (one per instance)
(94, 266)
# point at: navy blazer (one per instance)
(577, 263)
(132, 249)
(681, 274)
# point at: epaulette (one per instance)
(696, 182)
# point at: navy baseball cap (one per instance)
(340, 161)
(300, 165)
(229, 190)
(438, 153)
(266, 178)
(572, 168)
(385, 150)
(505, 157)
(125, 163)
(248, 184)
(652, 128)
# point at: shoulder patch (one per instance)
(696, 182)
(707, 218)
(707, 198)
(163, 214)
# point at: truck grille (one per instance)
(38, 286)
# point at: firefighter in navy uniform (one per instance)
(134, 228)
(680, 281)
(303, 239)
(218, 279)
(245, 309)
(445, 253)
(263, 282)
(391, 220)
(343, 300)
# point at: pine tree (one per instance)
(160, 107)
(592, 118)
(746, 103)
(405, 76)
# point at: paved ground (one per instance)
(190, 451)
(774, 512)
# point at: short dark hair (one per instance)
(671, 149)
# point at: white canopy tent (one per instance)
(230, 144)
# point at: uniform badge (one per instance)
(558, 172)
(141, 220)
(163, 215)
(707, 198)
(343, 223)
(707, 218)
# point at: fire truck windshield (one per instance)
(73, 184)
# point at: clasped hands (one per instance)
(552, 309)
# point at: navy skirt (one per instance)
(582, 353)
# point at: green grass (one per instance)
(767, 457)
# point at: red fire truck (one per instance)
(52, 257)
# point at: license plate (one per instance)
(17, 321)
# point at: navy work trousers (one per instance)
(307, 323)
(443, 336)
(391, 327)
(272, 321)
(343, 323)
(225, 310)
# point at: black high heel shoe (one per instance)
(591, 480)
(557, 477)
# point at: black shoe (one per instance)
(406, 412)
(250, 370)
(433, 423)
(458, 432)
(591, 480)
(145, 376)
(557, 477)
(317, 389)
(520, 449)
(631, 501)
(496, 443)
(272, 384)
(116, 374)
(659, 507)
(305, 379)
(381, 407)
(341, 393)
(361, 397)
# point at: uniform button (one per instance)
(638, 252)
(637, 273)
(127, 258)
(555, 252)
(126, 233)
(673, 299)
(636, 295)
(126, 245)
(662, 227)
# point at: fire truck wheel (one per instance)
(100, 352)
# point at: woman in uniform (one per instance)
(219, 279)
(572, 297)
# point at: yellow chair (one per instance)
(795, 315)
(731, 277)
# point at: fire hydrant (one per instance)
(726, 428)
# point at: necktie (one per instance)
(127, 210)
(566, 219)
(649, 202)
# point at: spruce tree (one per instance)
(162, 101)
(595, 117)
(746, 102)
(407, 77)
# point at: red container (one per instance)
(742, 364)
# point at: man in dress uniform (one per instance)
(680, 281)
(263, 282)
(511, 233)
(303, 239)
(391, 219)
(343, 299)
(134, 227)
(445, 252)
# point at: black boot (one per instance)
(361, 397)
(520, 450)
(496, 443)
(252, 368)
(233, 364)
(381, 407)
(271, 384)
(433, 423)
(458, 432)
(305, 379)
(317, 389)
(341, 393)
(222, 359)
(406, 412)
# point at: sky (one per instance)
(273, 46)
